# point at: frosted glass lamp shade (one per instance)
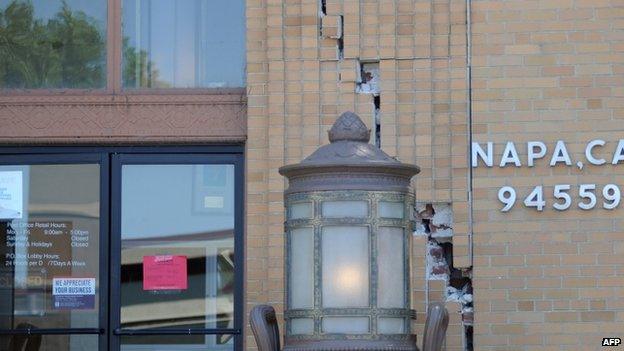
(301, 278)
(348, 229)
(389, 209)
(345, 266)
(391, 268)
(301, 210)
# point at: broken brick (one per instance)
(331, 27)
(435, 222)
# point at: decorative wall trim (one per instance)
(132, 117)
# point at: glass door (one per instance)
(53, 252)
(176, 252)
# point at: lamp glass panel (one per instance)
(340, 209)
(389, 209)
(301, 210)
(391, 264)
(302, 268)
(345, 255)
(302, 326)
(346, 325)
(391, 325)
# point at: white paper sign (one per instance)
(213, 201)
(73, 286)
(11, 199)
(73, 293)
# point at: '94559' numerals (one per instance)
(586, 192)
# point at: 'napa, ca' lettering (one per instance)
(536, 150)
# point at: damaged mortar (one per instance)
(331, 27)
(435, 222)
(368, 83)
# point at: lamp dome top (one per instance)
(349, 162)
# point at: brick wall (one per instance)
(547, 71)
(541, 70)
(304, 70)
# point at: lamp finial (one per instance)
(349, 127)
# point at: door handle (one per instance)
(120, 331)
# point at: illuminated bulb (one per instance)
(349, 278)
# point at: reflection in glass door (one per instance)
(178, 258)
(111, 248)
(51, 283)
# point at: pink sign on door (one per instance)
(164, 272)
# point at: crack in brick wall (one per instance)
(435, 222)
(368, 82)
(332, 27)
(298, 82)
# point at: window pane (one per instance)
(53, 43)
(53, 342)
(177, 251)
(340, 209)
(391, 325)
(390, 260)
(391, 209)
(345, 266)
(49, 246)
(177, 343)
(301, 210)
(345, 325)
(183, 43)
(302, 268)
(300, 326)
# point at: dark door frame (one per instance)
(118, 161)
(52, 158)
(111, 158)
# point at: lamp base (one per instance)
(352, 345)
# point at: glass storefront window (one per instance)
(50, 44)
(110, 250)
(177, 253)
(183, 43)
(75, 342)
(49, 251)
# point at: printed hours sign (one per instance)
(590, 196)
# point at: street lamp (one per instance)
(348, 229)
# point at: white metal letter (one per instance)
(588, 152)
(560, 154)
(532, 155)
(510, 155)
(487, 158)
(618, 155)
